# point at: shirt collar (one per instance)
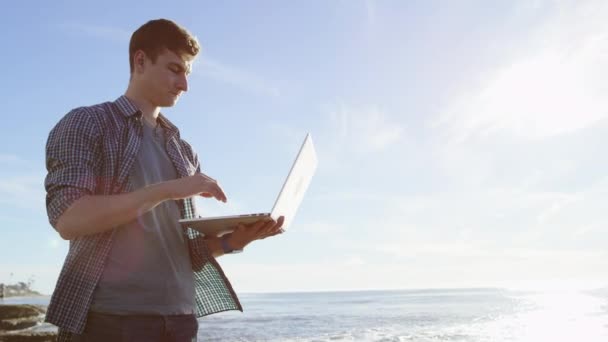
(129, 109)
(166, 124)
(126, 107)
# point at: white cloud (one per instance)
(24, 191)
(371, 11)
(345, 274)
(350, 196)
(43, 276)
(450, 269)
(210, 207)
(10, 159)
(554, 85)
(500, 236)
(288, 134)
(364, 129)
(207, 67)
(55, 243)
(231, 75)
(322, 228)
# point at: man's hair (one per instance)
(156, 35)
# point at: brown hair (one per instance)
(156, 35)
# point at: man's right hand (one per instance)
(98, 213)
(195, 185)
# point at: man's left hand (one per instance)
(244, 234)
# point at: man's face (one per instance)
(166, 79)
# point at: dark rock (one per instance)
(23, 323)
(25, 336)
(20, 323)
(20, 311)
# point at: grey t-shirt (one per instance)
(148, 270)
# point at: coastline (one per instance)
(22, 318)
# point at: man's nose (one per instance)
(182, 84)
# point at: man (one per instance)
(119, 179)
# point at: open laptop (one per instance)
(286, 204)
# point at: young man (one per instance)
(119, 179)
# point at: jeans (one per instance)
(135, 328)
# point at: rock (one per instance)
(29, 337)
(20, 323)
(20, 311)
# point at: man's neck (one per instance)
(148, 110)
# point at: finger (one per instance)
(270, 231)
(273, 226)
(262, 223)
(280, 222)
(270, 225)
(276, 224)
(259, 228)
(221, 196)
(254, 227)
(271, 234)
(215, 192)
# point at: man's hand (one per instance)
(245, 234)
(98, 213)
(195, 185)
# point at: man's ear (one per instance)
(139, 60)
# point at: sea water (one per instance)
(467, 315)
(455, 315)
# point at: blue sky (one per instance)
(460, 143)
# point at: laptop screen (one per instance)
(296, 184)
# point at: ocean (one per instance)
(455, 315)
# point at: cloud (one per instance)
(43, 276)
(231, 75)
(209, 68)
(322, 228)
(364, 130)
(289, 134)
(507, 234)
(347, 273)
(26, 191)
(554, 84)
(371, 11)
(11, 159)
(210, 207)
(352, 272)
(112, 34)
(54, 243)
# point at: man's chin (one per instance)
(168, 103)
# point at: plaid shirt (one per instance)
(90, 152)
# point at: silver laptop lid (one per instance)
(297, 182)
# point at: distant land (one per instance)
(17, 290)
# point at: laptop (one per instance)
(286, 204)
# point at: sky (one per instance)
(459, 142)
